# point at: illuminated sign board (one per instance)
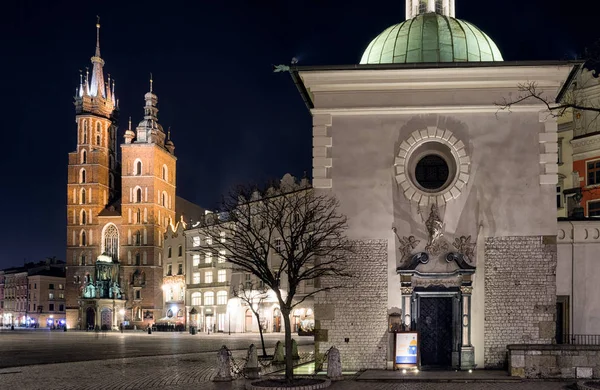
(407, 348)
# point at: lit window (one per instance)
(208, 241)
(222, 236)
(222, 276)
(221, 256)
(196, 278)
(278, 245)
(221, 297)
(50, 295)
(196, 299)
(208, 277)
(209, 298)
(196, 241)
(195, 260)
(208, 258)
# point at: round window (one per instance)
(432, 167)
(432, 172)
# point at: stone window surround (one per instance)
(403, 163)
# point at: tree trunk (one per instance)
(289, 362)
(260, 330)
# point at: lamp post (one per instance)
(122, 313)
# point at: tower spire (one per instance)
(150, 81)
(97, 89)
(97, 36)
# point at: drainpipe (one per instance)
(572, 303)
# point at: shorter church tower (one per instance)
(148, 207)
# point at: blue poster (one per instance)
(406, 348)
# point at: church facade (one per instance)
(117, 209)
(449, 238)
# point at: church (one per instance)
(117, 209)
(451, 201)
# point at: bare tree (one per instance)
(573, 98)
(285, 236)
(253, 295)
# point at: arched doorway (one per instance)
(248, 322)
(90, 318)
(276, 320)
(106, 318)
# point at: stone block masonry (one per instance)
(354, 318)
(520, 294)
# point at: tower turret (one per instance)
(418, 7)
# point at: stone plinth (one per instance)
(554, 361)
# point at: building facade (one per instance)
(25, 294)
(199, 286)
(414, 146)
(117, 210)
(46, 299)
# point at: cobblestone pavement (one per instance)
(195, 371)
(26, 347)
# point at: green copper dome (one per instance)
(431, 37)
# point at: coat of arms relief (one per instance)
(463, 252)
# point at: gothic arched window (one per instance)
(138, 238)
(138, 168)
(137, 259)
(83, 238)
(138, 195)
(82, 196)
(138, 216)
(82, 176)
(110, 241)
(165, 173)
(83, 217)
(83, 157)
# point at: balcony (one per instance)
(205, 285)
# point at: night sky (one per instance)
(233, 120)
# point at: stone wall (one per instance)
(554, 361)
(354, 318)
(520, 294)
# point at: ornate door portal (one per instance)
(435, 326)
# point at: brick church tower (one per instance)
(116, 212)
(148, 207)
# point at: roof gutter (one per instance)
(301, 88)
(568, 82)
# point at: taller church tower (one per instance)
(93, 175)
(148, 207)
